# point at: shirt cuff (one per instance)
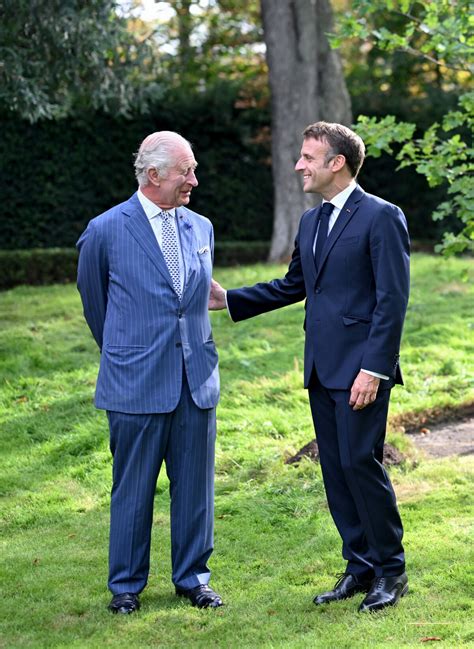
(226, 305)
(376, 374)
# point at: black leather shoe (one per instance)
(124, 603)
(385, 591)
(346, 586)
(202, 596)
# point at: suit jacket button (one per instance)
(317, 289)
(179, 345)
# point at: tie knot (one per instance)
(326, 209)
(165, 215)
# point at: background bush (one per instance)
(59, 265)
(37, 266)
(57, 175)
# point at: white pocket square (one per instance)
(202, 251)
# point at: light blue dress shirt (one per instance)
(153, 212)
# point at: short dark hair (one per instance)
(341, 140)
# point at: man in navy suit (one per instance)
(351, 263)
(144, 277)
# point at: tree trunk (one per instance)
(307, 85)
(185, 27)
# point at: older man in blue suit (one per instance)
(144, 277)
(351, 263)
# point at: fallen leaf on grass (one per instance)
(430, 638)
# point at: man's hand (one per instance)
(364, 390)
(217, 297)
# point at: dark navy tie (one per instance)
(324, 214)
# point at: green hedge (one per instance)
(235, 253)
(79, 167)
(37, 266)
(59, 265)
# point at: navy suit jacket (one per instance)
(356, 301)
(146, 336)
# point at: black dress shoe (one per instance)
(346, 586)
(124, 603)
(385, 591)
(201, 596)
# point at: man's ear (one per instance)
(153, 177)
(338, 162)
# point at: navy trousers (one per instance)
(185, 440)
(359, 492)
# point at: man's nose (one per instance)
(299, 166)
(192, 180)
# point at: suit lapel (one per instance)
(140, 228)
(307, 236)
(188, 248)
(348, 210)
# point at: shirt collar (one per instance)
(339, 199)
(150, 208)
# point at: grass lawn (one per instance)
(275, 543)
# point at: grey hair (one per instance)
(157, 151)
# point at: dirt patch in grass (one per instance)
(439, 432)
(391, 455)
(456, 438)
(412, 422)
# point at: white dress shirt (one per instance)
(338, 201)
(153, 212)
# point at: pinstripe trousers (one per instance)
(185, 440)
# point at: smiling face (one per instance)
(318, 166)
(174, 189)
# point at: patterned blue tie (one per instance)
(170, 251)
(324, 214)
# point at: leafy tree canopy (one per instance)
(200, 39)
(441, 33)
(61, 56)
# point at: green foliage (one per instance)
(379, 135)
(236, 253)
(441, 33)
(37, 266)
(59, 57)
(439, 158)
(83, 166)
(204, 41)
(274, 533)
(43, 266)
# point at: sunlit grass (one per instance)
(276, 545)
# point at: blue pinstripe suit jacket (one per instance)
(146, 336)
